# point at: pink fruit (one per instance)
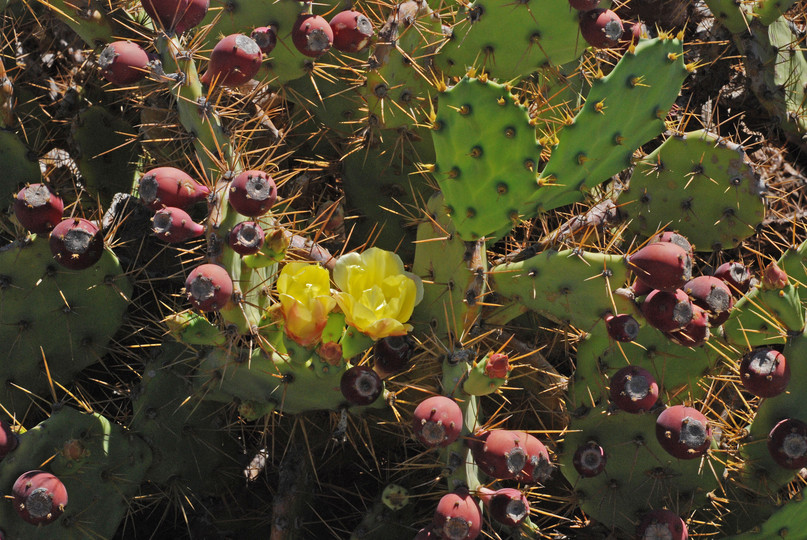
(736, 276)
(39, 497)
(508, 506)
(584, 5)
(166, 13)
(658, 524)
(312, 35)
(711, 294)
(437, 421)
(265, 37)
(37, 209)
(764, 372)
(246, 238)
(601, 28)
(352, 31)
(235, 60)
(360, 385)
(774, 277)
(167, 186)
(457, 516)
(696, 332)
(194, 14)
(252, 193)
(391, 355)
(8, 439)
(683, 432)
(634, 389)
(76, 243)
(209, 287)
(123, 63)
(662, 265)
(538, 467)
(621, 327)
(787, 444)
(508, 454)
(497, 366)
(632, 34)
(674, 238)
(667, 311)
(589, 459)
(174, 225)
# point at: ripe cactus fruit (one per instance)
(194, 14)
(601, 28)
(391, 354)
(166, 13)
(234, 61)
(787, 444)
(589, 459)
(711, 294)
(673, 237)
(168, 186)
(123, 62)
(437, 421)
(252, 193)
(508, 506)
(8, 439)
(312, 35)
(265, 37)
(352, 31)
(764, 372)
(209, 287)
(634, 389)
(683, 432)
(37, 209)
(696, 332)
(662, 524)
(246, 238)
(361, 385)
(622, 327)
(667, 311)
(174, 225)
(457, 516)
(76, 243)
(39, 497)
(505, 455)
(665, 266)
(736, 276)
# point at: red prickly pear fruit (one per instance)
(437, 421)
(601, 28)
(39, 497)
(194, 14)
(764, 372)
(457, 516)
(665, 524)
(235, 60)
(167, 186)
(736, 276)
(360, 385)
(774, 277)
(37, 209)
(633, 34)
(667, 311)
(584, 5)
(252, 193)
(538, 467)
(634, 389)
(711, 294)
(312, 35)
(352, 31)
(123, 62)
(265, 37)
(696, 332)
(209, 287)
(174, 225)
(589, 459)
(476, 442)
(76, 243)
(683, 432)
(166, 13)
(508, 506)
(508, 454)
(640, 288)
(246, 238)
(391, 354)
(787, 444)
(662, 265)
(497, 366)
(8, 439)
(674, 238)
(622, 327)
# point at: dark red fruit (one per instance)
(194, 14)
(774, 277)
(683, 432)
(538, 467)
(312, 35)
(508, 454)
(584, 5)
(672, 237)
(764, 372)
(235, 60)
(352, 31)
(167, 186)
(662, 265)
(391, 354)
(631, 36)
(360, 385)
(437, 421)
(711, 294)
(622, 327)
(736, 276)
(508, 506)
(174, 225)
(589, 459)
(265, 37)
(457, 516)
(209, 287)
(640, 288)
(662, 524)
(166, 13)
(601, 28)
(252, 193)
(497, 366)
(634, 389)
(787, 444)
(37, 209)
(246, 238)
(8, 439)
(696, 332)
(123, 63)
(667, 311)
(39, 497)
(76, 243)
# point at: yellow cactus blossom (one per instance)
(376, 295)
(305, 301)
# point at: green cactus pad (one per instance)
(18, 168)
(767, 11)
(788, 518)
(765, 317)
(730, 13)
(699, 185)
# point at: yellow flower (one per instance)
(305, 301)
(377, 296)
